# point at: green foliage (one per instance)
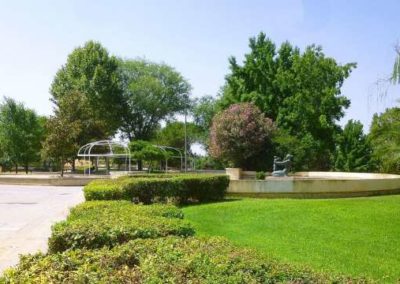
(166, 260)
(173, 135)
(260, 175)
(64, 130)
(153, 92)
(385, 139)
(240, 135)
(91, 71)
(144, 150)
(301, 92)
(353, 151)
(396, 67)
(21, 132)
(303, 148)
(209, 163)
(98, 223)
(203, 112)
(180, 188)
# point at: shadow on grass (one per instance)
(196, 203)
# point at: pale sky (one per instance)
(196, 37)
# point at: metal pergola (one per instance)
(105, 149)
(165, 148)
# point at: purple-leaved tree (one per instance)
(239, 134)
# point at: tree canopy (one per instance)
(21, 132)
(145, 151)
(300, 91)
(153, 92)
(353, 150)
(396, 67)
(173, 135)
(91, 71)
(240, 135)
(203, 111)
(385, 139)
(66, 130)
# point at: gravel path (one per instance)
(26, 216)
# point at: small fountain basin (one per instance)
(318, 185)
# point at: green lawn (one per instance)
(357, 236)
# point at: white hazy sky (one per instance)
(196, 37)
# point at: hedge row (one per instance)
(108, 223)
(181, 188)
(165, 260)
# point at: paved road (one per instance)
(26, 216)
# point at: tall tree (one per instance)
(20, 134)
(74, 107)
(301, 92)
(385, 139)
(91, 71)
(63, 131)
(353, 150)
(154, 92)
(203, 111)
(173, 135)
(396, 67)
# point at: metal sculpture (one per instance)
(286, 164)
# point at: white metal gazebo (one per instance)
(165, 149)
(105, 149)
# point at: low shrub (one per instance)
(107, 223)
(260, 175)
(165, 260)
(181, 188)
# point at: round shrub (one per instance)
(96, 224)
(260, 175)
(239, 134)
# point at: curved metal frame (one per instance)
(86, 152)
(171, 148)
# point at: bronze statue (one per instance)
(286, 164)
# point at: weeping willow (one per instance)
(396, 68)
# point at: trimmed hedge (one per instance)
(165, 260)
(108, 223)
(181, 188)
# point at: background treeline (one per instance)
(279, 100)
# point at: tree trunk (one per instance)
(62, 167)
(140, 165)
(107, 165)
(26, 169)
(16, 168)
(73, 165)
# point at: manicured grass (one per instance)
(357, 237)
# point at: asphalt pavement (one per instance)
(27, 214)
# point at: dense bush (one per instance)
(240, 135)
(353, 149)
(107, 223)
(181, 188)
(260, 175)
(165, 260)
(384, 137)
